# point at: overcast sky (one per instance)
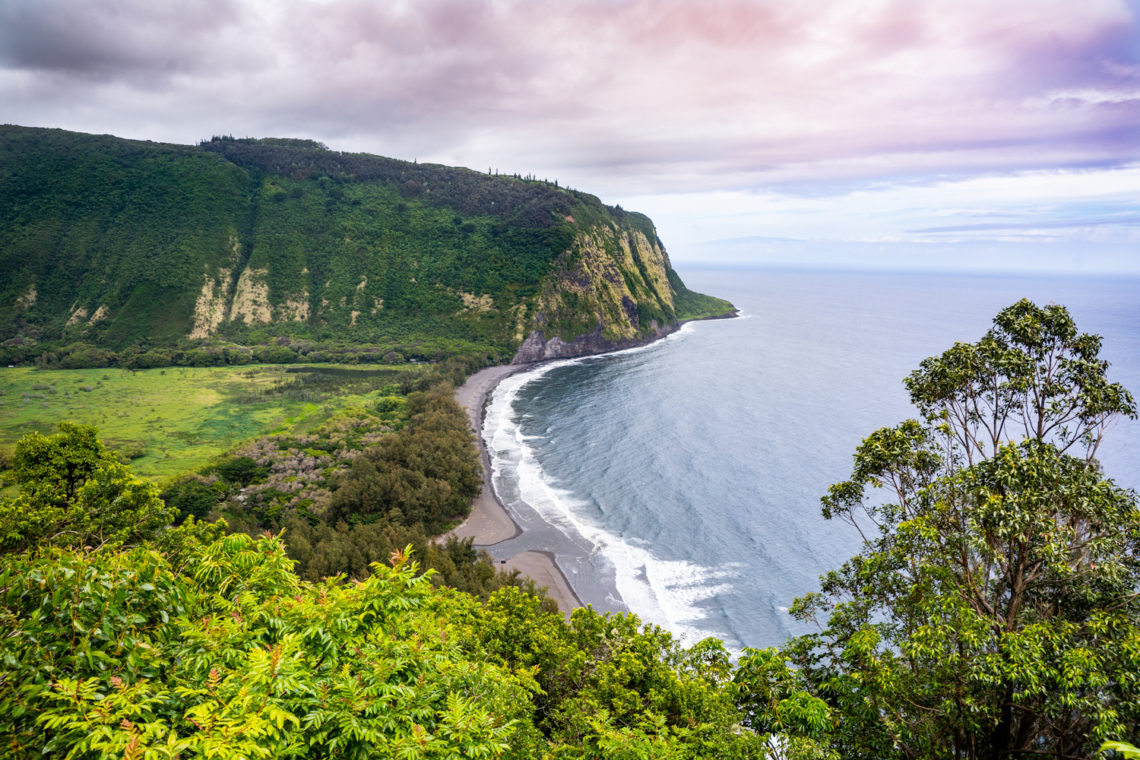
(925, 133)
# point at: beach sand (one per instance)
(489, 522)
(540, 567)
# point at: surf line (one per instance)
(490, 522)
(605, 568)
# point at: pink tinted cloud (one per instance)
(642, 92)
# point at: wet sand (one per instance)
(489, 523)
(540, 567)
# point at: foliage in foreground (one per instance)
(123, 637)
(220, 650)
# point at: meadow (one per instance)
(173, 420)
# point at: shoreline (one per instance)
(489, 522)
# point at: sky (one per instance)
(924, 134)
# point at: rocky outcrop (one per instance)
(212, 305)
(251, 301)
(536, 348)
(611, 290)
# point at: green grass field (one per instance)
(184, 416)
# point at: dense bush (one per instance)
(240, 471)
(229, 654)
(428, 472)
(191, 496)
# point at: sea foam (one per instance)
(663, 591)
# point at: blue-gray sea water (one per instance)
(682, 480)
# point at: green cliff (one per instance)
(112, 248)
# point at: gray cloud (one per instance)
(634, 95)
(108, 39)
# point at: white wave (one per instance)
(668, 593)
(665, 592)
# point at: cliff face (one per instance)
(116, 243)
(610, 290)
(537, 348)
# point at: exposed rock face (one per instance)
(77, 316)
(28, 300)
(472, 302)
(251, 301)
(536, 348)
(80, 315)
(211, 307)
(610, 291)
(294, 309)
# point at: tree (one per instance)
(993, 610)
(240, 471)
(74, 492)
(190, 496)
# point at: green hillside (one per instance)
(123, 252)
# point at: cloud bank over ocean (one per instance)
(653, 104)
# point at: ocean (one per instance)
(681, 481)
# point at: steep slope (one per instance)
(112, 248)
